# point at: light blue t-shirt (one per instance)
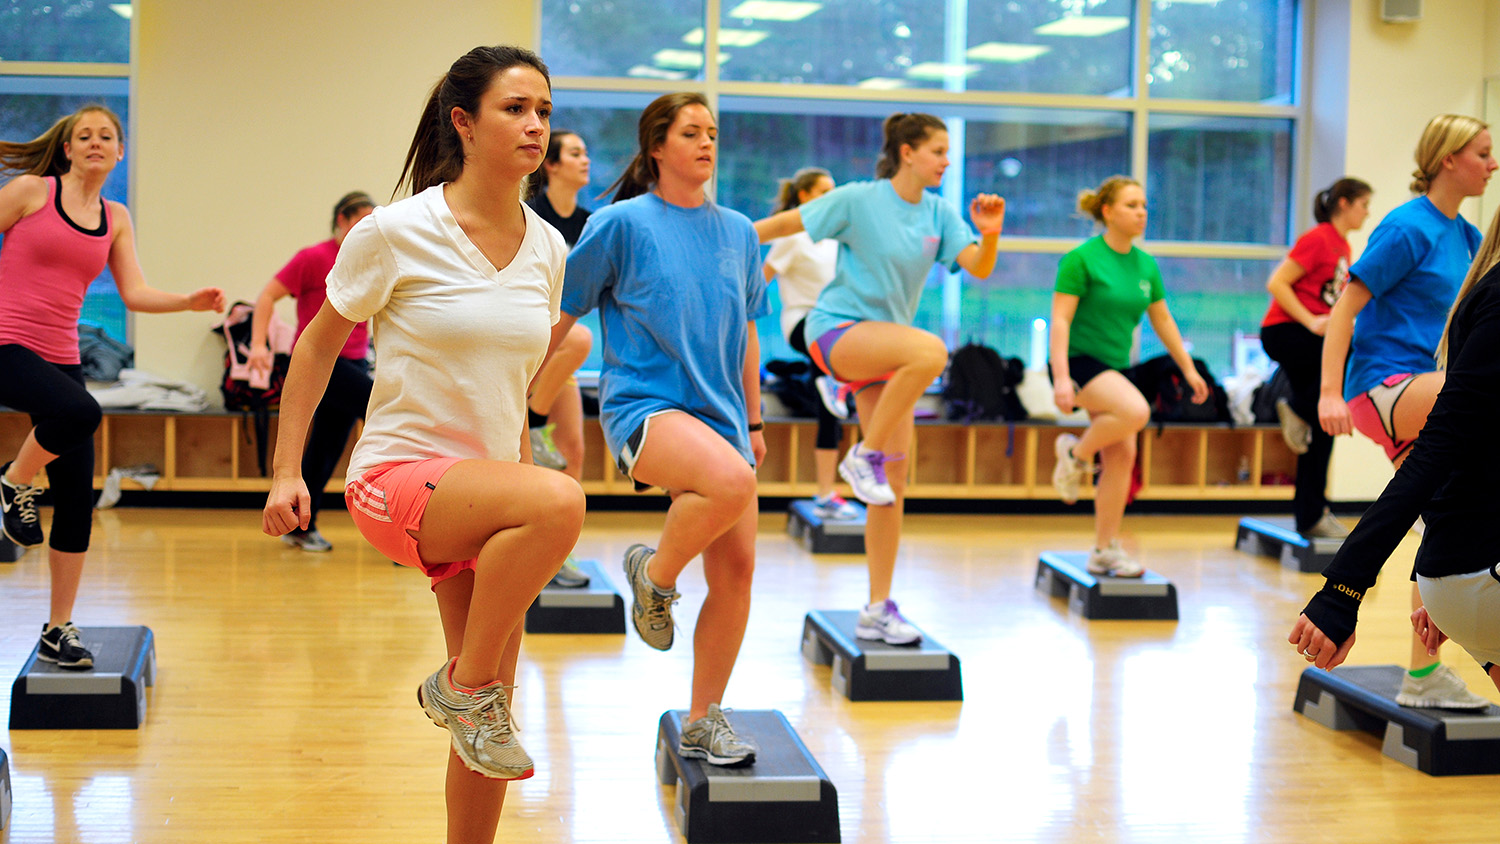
(887, 246)
(676, 289)
(1414, 264)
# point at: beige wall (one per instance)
(252, 119)
(1400, 75)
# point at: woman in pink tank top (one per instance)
(59, 235)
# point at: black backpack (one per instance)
(1161, 383)
(982, 385)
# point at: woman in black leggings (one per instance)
(59, 235)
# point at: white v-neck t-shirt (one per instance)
(457, 340)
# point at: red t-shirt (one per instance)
(306, 278)
(1323, 254)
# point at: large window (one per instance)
(55, 57)
(1043, 98)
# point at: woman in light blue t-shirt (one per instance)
(890, 233)
(677, 281)
(1401, 290)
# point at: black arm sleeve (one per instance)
(1465, 413)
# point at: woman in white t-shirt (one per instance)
(802, 269)
(461, 284)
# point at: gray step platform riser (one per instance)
(1253, 537)
(112, 696)
(784, 797)
(862, 671)
(1446, 745)
(1149, 598)
(596, 608)
(811, 533)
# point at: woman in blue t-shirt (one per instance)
(677, 281)
(890, 233)
(1401, 290)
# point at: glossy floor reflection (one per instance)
(284, 707)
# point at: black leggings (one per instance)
(830, 431)
(65, 417)
(345, 400)
(1300, 353)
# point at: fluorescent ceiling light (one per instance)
(124, 10)
(995, 51)
(881, 83)
(1084, 26)
(940, 70)
(774, 10)
(683, 59)
(644, 71)
(728, 37)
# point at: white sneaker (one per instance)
(1112, 561)
(1442, 689)
(828, 391)
(882, 622)
(864, 469)
(1067, 475)
(1294, 429)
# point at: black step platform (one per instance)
(783, 797)
(864, 670)
(595, 608)
(1277, 537)
(10, 551)
(825, 536)
(1149, 597)
(1440, 742)
(110, 696)
(4, 792)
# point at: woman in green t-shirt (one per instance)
(1103, 287)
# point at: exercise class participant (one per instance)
(1387, 324)
(1103, 288)
(60, 233)
(460, 283)
(304, 278)
(677, 282)
(1304, 288)
(890, 232)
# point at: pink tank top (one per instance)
(46, 265)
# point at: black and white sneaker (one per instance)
(60, 645)
(18, 503)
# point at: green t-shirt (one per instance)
(1113, 291)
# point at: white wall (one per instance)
(1400, 75)
(252, 119)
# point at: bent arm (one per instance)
(779, 225)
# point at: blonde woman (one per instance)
(1386, 327)
(1103, 288)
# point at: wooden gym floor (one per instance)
(284, 710)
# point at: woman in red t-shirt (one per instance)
(1303, 289)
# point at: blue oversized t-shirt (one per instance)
(1414, 264)
(676, 289)
(886, 248)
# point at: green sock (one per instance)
(1419, 673)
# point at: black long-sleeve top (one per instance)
(1451, 477)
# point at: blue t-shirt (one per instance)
(1414, 264)
(886, 248)
(676, 289)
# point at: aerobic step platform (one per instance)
(1440, 742)
(595, 608)
(9, 551)
(864, 670)
(110, 696)
(1277, 537)
(825, 536)
(783, 797)
(4, 792)
(1149, 597)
